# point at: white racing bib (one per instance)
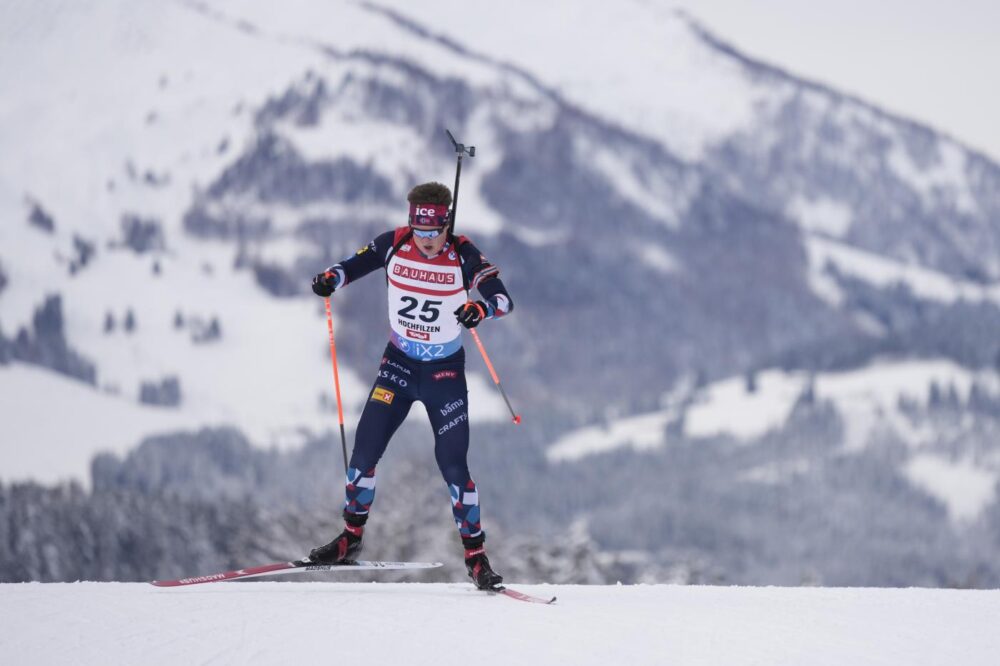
(423, 296)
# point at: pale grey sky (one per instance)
(933, 61)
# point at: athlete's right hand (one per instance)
(325, 284)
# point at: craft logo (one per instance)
(383, 395)
(461, 418)
(423, 275)
(367, 248)
(418, 335)
(444, 374)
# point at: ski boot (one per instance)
(478, 565)
(345, 545)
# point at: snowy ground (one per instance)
(381, 623)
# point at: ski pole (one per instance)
(336, 379)
(460, 151)
(493, 373)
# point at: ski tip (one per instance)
(520, 596)
(165, 583)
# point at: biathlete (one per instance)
(429, 273)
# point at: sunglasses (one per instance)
(428, 233)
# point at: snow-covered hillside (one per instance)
(749, 307)
(283, 623)
(178, 178)
(127, 127)
(875, 403)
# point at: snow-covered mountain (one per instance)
(702, 247)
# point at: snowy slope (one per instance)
(139, 108)
(131, 123)
(870, 402)
(53, 426)
(281, 623)
(728, 407)
(678, 89)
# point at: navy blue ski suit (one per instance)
(424, 361)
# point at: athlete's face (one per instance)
(430, 246)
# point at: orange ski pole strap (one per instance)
(493, 373)
(336, 381)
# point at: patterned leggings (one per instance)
(441, 386)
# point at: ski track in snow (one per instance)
(390, 623)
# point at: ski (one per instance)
(296, 566)
(520, 596)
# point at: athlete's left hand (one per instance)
(470, 314)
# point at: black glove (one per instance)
(325, 284)
(470, 314)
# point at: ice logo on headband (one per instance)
(428, 214)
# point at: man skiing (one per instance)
(429, 271)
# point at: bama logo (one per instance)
(383, 395)
(452, 406)
(444, 374)
(422, 275)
